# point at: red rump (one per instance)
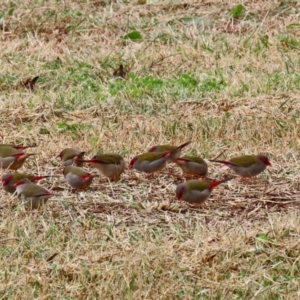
(21, 147)
(86, 177)
(19, 183)
(179, 195)
(214, 183)
(153, 149)
(181, 159)
(19, 156)
(6, 182)
(132, 162)
(167, 154)
(37, 178)
(91, 160)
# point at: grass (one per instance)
(225, 77)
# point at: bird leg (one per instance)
(246, 179)
(151, 176)
(194, 176)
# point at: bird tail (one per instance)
(173, 153)
(183, 145)
(79, 154)
(225, 162)
(39, 177)
(226, 179)
(23, 147)
(215, 183)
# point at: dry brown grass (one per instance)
(131, 239)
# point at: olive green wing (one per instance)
(151, 156)
(166, 148)
(70, 153)
(245, 161)
(8, 151)
(193, 159)
(20, 176)
(115, 159)
(33, 190)
(198, 185)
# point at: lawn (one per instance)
(223, 74)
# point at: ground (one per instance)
(225, 75)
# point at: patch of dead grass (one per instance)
(131, 239)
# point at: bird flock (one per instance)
(12, 157)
